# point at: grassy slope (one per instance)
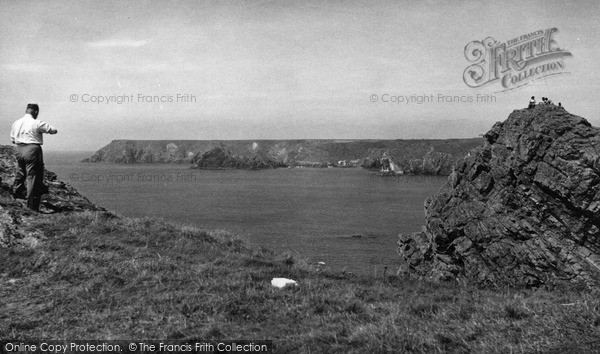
(103, 277)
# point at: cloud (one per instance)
(117, 43)
(26, 67)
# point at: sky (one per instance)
(229, 70)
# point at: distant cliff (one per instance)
(425, 156)
(523, 209)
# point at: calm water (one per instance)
(316, 212)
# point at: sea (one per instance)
(347, 218)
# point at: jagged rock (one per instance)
(521, 210)
(17, 223)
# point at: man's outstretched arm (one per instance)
(47, 128)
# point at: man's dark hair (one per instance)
(33, 106)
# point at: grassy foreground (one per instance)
(97, 276)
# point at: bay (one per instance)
(346, 217)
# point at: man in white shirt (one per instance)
(26, 133)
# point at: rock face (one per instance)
(17, 223)
(409, 156)
(428, 162)
(521, 210)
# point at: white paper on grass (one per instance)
(283, 282)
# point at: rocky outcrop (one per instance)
(521, 210)
(147, 151)
(221, 158)
(411, 156)
(17, 223)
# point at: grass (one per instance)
(97, 276)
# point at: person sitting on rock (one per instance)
(548, 101)
(531, 102)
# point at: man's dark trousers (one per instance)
(30, 170)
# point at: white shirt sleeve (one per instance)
(46, 128)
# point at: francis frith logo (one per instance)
(516, 62)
